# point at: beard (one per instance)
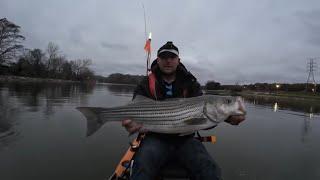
(168, 72)
(173, 73)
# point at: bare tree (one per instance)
(37, 57)
(66, 70)
(80, 69)
(55, 60)
(10, 40)
(53, 51)
(80, 65)
(84, 64)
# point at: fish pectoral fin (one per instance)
(196, 121)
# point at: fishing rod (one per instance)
(147, 46)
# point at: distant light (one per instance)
(277, 86)
(150, 34)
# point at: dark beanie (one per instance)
(169, 47)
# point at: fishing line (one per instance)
(145, 21)
(147, 39)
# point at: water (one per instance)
(42, 136)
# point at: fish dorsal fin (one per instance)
(140, 98)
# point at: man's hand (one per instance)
(235, 120)
(131, 126)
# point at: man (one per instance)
(170, 79)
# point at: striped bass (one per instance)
(172, 116)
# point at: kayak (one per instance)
(173, 170)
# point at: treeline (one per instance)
(120, 78)
(281, 87)
(48, 63)
(264, 87)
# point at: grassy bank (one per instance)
(281, 94)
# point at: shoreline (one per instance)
(281, 94)
(24, 79)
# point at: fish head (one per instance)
(218, 109)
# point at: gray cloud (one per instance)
(227, 41)
(114, 46)
(310, 19)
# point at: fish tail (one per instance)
(93, 120)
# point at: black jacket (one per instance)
(185, 81)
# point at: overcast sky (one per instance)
(230, 42)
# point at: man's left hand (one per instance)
(235, 120)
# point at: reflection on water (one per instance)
(306, 128)
(298, 105)
(34, 97)
(275, 107)
(39, 124)
(310, 115)
(311, 112)
(301, 107)
(121, 90)
(8, 113)
(44, 98)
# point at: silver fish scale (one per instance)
(151, 106)
(147, 107)
(159, 105)
(169, 116)
(172, 114)
(175, 118)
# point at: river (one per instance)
(43, 136)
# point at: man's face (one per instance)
(168, 63)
